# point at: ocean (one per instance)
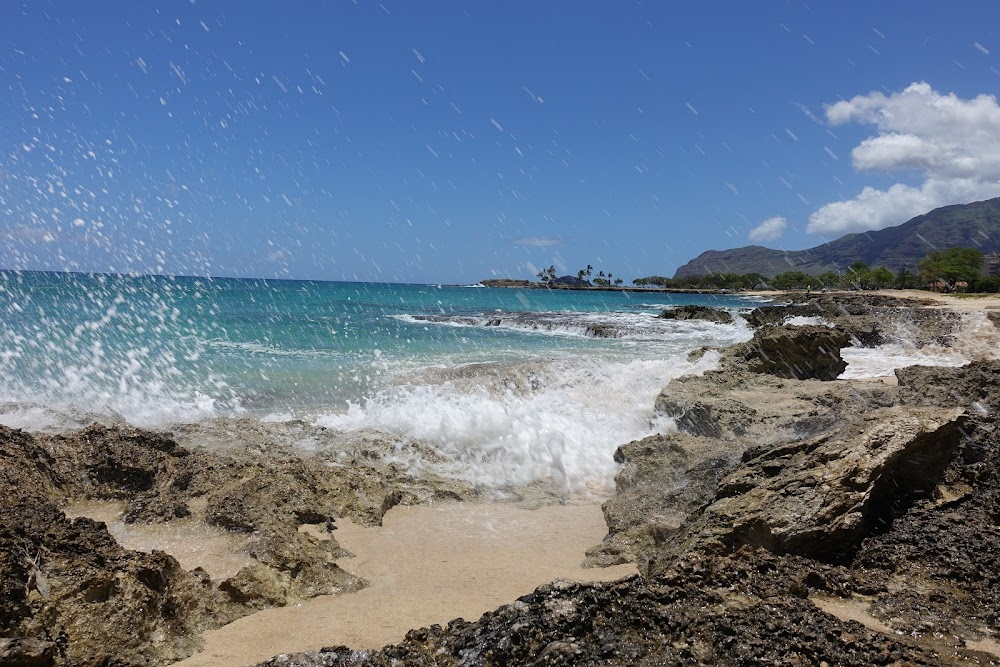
(507, 386)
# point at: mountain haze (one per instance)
(975, 225)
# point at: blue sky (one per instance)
(453, 141)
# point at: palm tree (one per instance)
(548, 275)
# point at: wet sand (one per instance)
(426, 565)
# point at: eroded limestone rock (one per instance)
(820, 497)
(663, 480)
(69, 578)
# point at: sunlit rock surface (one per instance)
(70, 580)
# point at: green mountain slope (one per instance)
(975, 225)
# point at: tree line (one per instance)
(955, 269)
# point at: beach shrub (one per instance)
(988, 284)
(951, 266)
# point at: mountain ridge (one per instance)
(975, 225)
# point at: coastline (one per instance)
(621, 288)
(957, 302)
(679, 504)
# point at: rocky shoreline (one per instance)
(67, 583)
(791, 519)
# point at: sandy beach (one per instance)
(959, 302)
(425, 565)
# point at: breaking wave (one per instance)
(558, 422)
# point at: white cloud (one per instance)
(537, 241)
(768, 230)
(953, 143)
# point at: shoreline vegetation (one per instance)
(789, 517)
(950, 270)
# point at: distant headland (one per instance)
(953, 248)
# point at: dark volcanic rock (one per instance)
(154, 510)
(116, 462)
(709, 612)
(706, 313)
(946, 547)
(801, 353)
(603, 331)
(733, 403)
(917, 487)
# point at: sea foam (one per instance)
(561, 431)
(975, 339)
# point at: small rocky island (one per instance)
(791, 519)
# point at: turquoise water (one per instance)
(268, 345)
(468, 369)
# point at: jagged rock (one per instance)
(946, 547)
(154, 510)
(257, 587)
(855, 302)
(285, 491)
(804, 352)
(733, 403)
(27, 653)
(301, 563)
(921, 590)
(123, 607)
(975, 386)
(869, 320)
(603, 331)
(58, 575)
(710, 405)
(663, 479)
(714, 417)
(820, 497)
(707, 313)
(116, 462)
(776, 315)
(718, 611)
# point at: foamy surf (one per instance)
(637, 326)
(975, 339)
(561, 432)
